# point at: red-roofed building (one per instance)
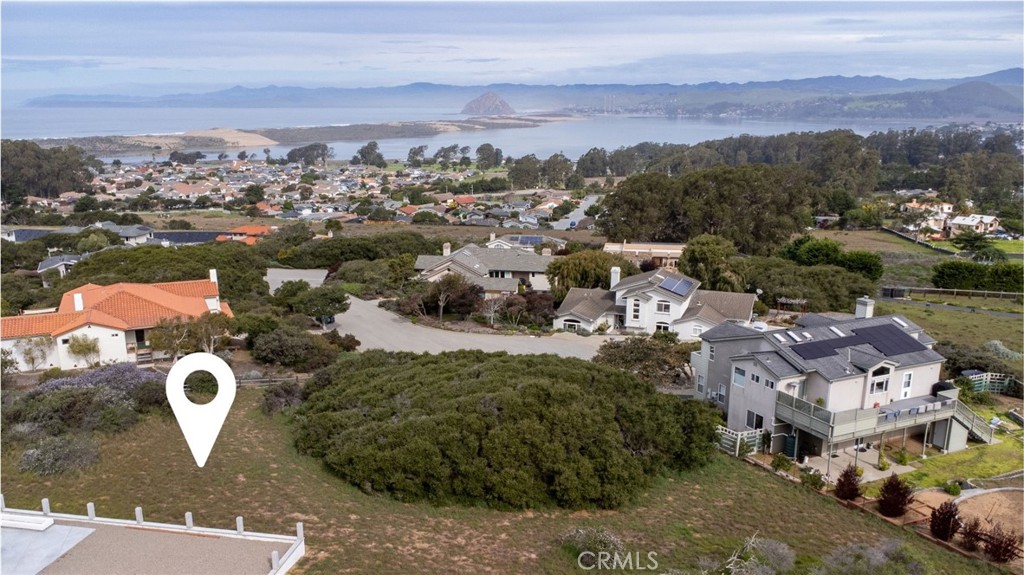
(117, 316)
(464, 201)
(247, 234)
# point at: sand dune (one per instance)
(234, 138)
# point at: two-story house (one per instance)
(500, 271)
(828, 384)
(975, 222)
(658, 300)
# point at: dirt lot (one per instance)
(1002, 507)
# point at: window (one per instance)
(769, 383)
(65, 341)
(661, 326)
(755, 378)
(754, 421)
(663, 306)
(721, 393)
(571, 325)
(711, 353)
(636, 309)
(908, 379)
(114, 334)
(739, 376)
(700, 383)
(697, 330)
(880, 380)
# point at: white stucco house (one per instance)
(117, 316)
(658, 300)
(500, 271)
(828, 385)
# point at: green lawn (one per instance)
(1008, 246)
(254, 471)
(975, 463)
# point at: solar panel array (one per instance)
(681, 286)
(531, 240)
(887, 339)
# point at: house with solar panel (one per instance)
(829, 384)
(658, 300)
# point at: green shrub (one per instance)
(281, 396)
(812, 478)
(903, 457)
(953, 488)
(151, 397)
(585, 543)
(54, 455)
(781, 463)
(200, 383)
(499, 430)
(744, 449)
(52, 373)
(116, 419)
(883, 463)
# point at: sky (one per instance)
(150, 48)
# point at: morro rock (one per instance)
(489, 104)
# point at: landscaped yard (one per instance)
(254, 471)
(976, 462)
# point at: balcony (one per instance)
(836, 426)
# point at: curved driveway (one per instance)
(377, 328)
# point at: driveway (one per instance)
(377, 328)
(577, 214)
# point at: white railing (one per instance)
(280, 564)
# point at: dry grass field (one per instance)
(254, 471)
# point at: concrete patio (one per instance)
(866, 459)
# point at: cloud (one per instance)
(30, 64)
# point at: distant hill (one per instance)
(995, 96)
(488, 104)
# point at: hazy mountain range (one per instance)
(995, 96)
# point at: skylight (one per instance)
(900, 322)
(779, 337)
(836, 331)
(794, 336)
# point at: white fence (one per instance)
(279, 564)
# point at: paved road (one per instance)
(377, 328)
(577, 214)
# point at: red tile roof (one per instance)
(119, 306)
(251, 230)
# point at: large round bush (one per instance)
(507, 431)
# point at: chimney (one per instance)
(543, 252)
(213, 276)
(616, 276)
(865, 308)
(446, 249)
(79, 304)
(492, 236)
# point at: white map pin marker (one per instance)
(200, 423)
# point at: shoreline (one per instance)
(230, 138)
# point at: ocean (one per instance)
(572, 138)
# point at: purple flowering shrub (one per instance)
(123, 379)
(107, 399)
